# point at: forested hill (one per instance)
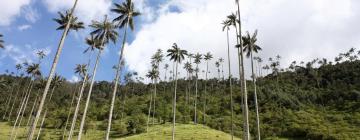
(306, 101)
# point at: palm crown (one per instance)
(33, 70)
(176, 54)
(152, 74)
(81, 69)
(208, 56)
(126, 11)
(104, 29)
(249, 43)
(198, 58)
(93, 43)
(64, 19)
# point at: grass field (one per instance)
(157, 132)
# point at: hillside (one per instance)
(303, 102)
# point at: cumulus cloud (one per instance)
(299, 30)
(86, 10)
(74, 79)
(20, 54)
(31, 14)
(24, 27)
(10, 9)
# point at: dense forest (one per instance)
(313, 100)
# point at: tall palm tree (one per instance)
(217, 65)
(197, 61)
(221, 61)
(106, 31)
(207, 57)
(188, 68)
(237, 24)
(226, 26)
(153, 75)
(166, 67)
(34, 71)
(157, 58)
(82, 71)
(57, 82)
(177, 55)
(18, 69)
(1, 42)
(250, 47)
(67, 23)
(126, 12)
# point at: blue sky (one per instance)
(25, 35)
(301, 31)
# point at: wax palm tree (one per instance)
(188, 68)
(106, 31)
(153, 74)
(82, 71)
(207, 57)
(166, 67)
(234, 21)
(67, 25)
(197, 61)
(126, 12)
(226, 26)
(57, 82)
(217, 65)
(176, 55)
(18, 69)
(67, 18)
(221, 61)
(251, 47)
(156, 58)
(34, 71)
(1, 42)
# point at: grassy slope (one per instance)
(158, 132)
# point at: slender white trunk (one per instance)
(88, 96)
(51, 74)
(69, 112)
(230, 84)
(8, 101)
(32, 110)
(196, 95)
(117, 77)
(205, 92)
(13, 104)
(23, 110)
(149, 112)
(45, 113)
(255, 98)
(76, 111)
(153, 115)
(174, 104)
(21, 105)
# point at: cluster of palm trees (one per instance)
(105, 32)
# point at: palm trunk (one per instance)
(51, 74)
(230, 83)
(23, 110)
(69, 113)
(8, 102)
(21, 105)
(255, 97)
(13, 104)
(45, 113)
(88, 96)
(174, 104)
(153, 115)
(149, 112)
(205, 92)
(73, 122)
(196, 95)
(246, 112)
(32, 110)
(117, 77)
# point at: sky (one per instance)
(296, 30)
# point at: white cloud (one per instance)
(299, 30)
(86, 10)
(24, 27)
(74, 79)
(18, 54)
(10, 9)
(31, 14)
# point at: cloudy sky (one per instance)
(297, 30)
